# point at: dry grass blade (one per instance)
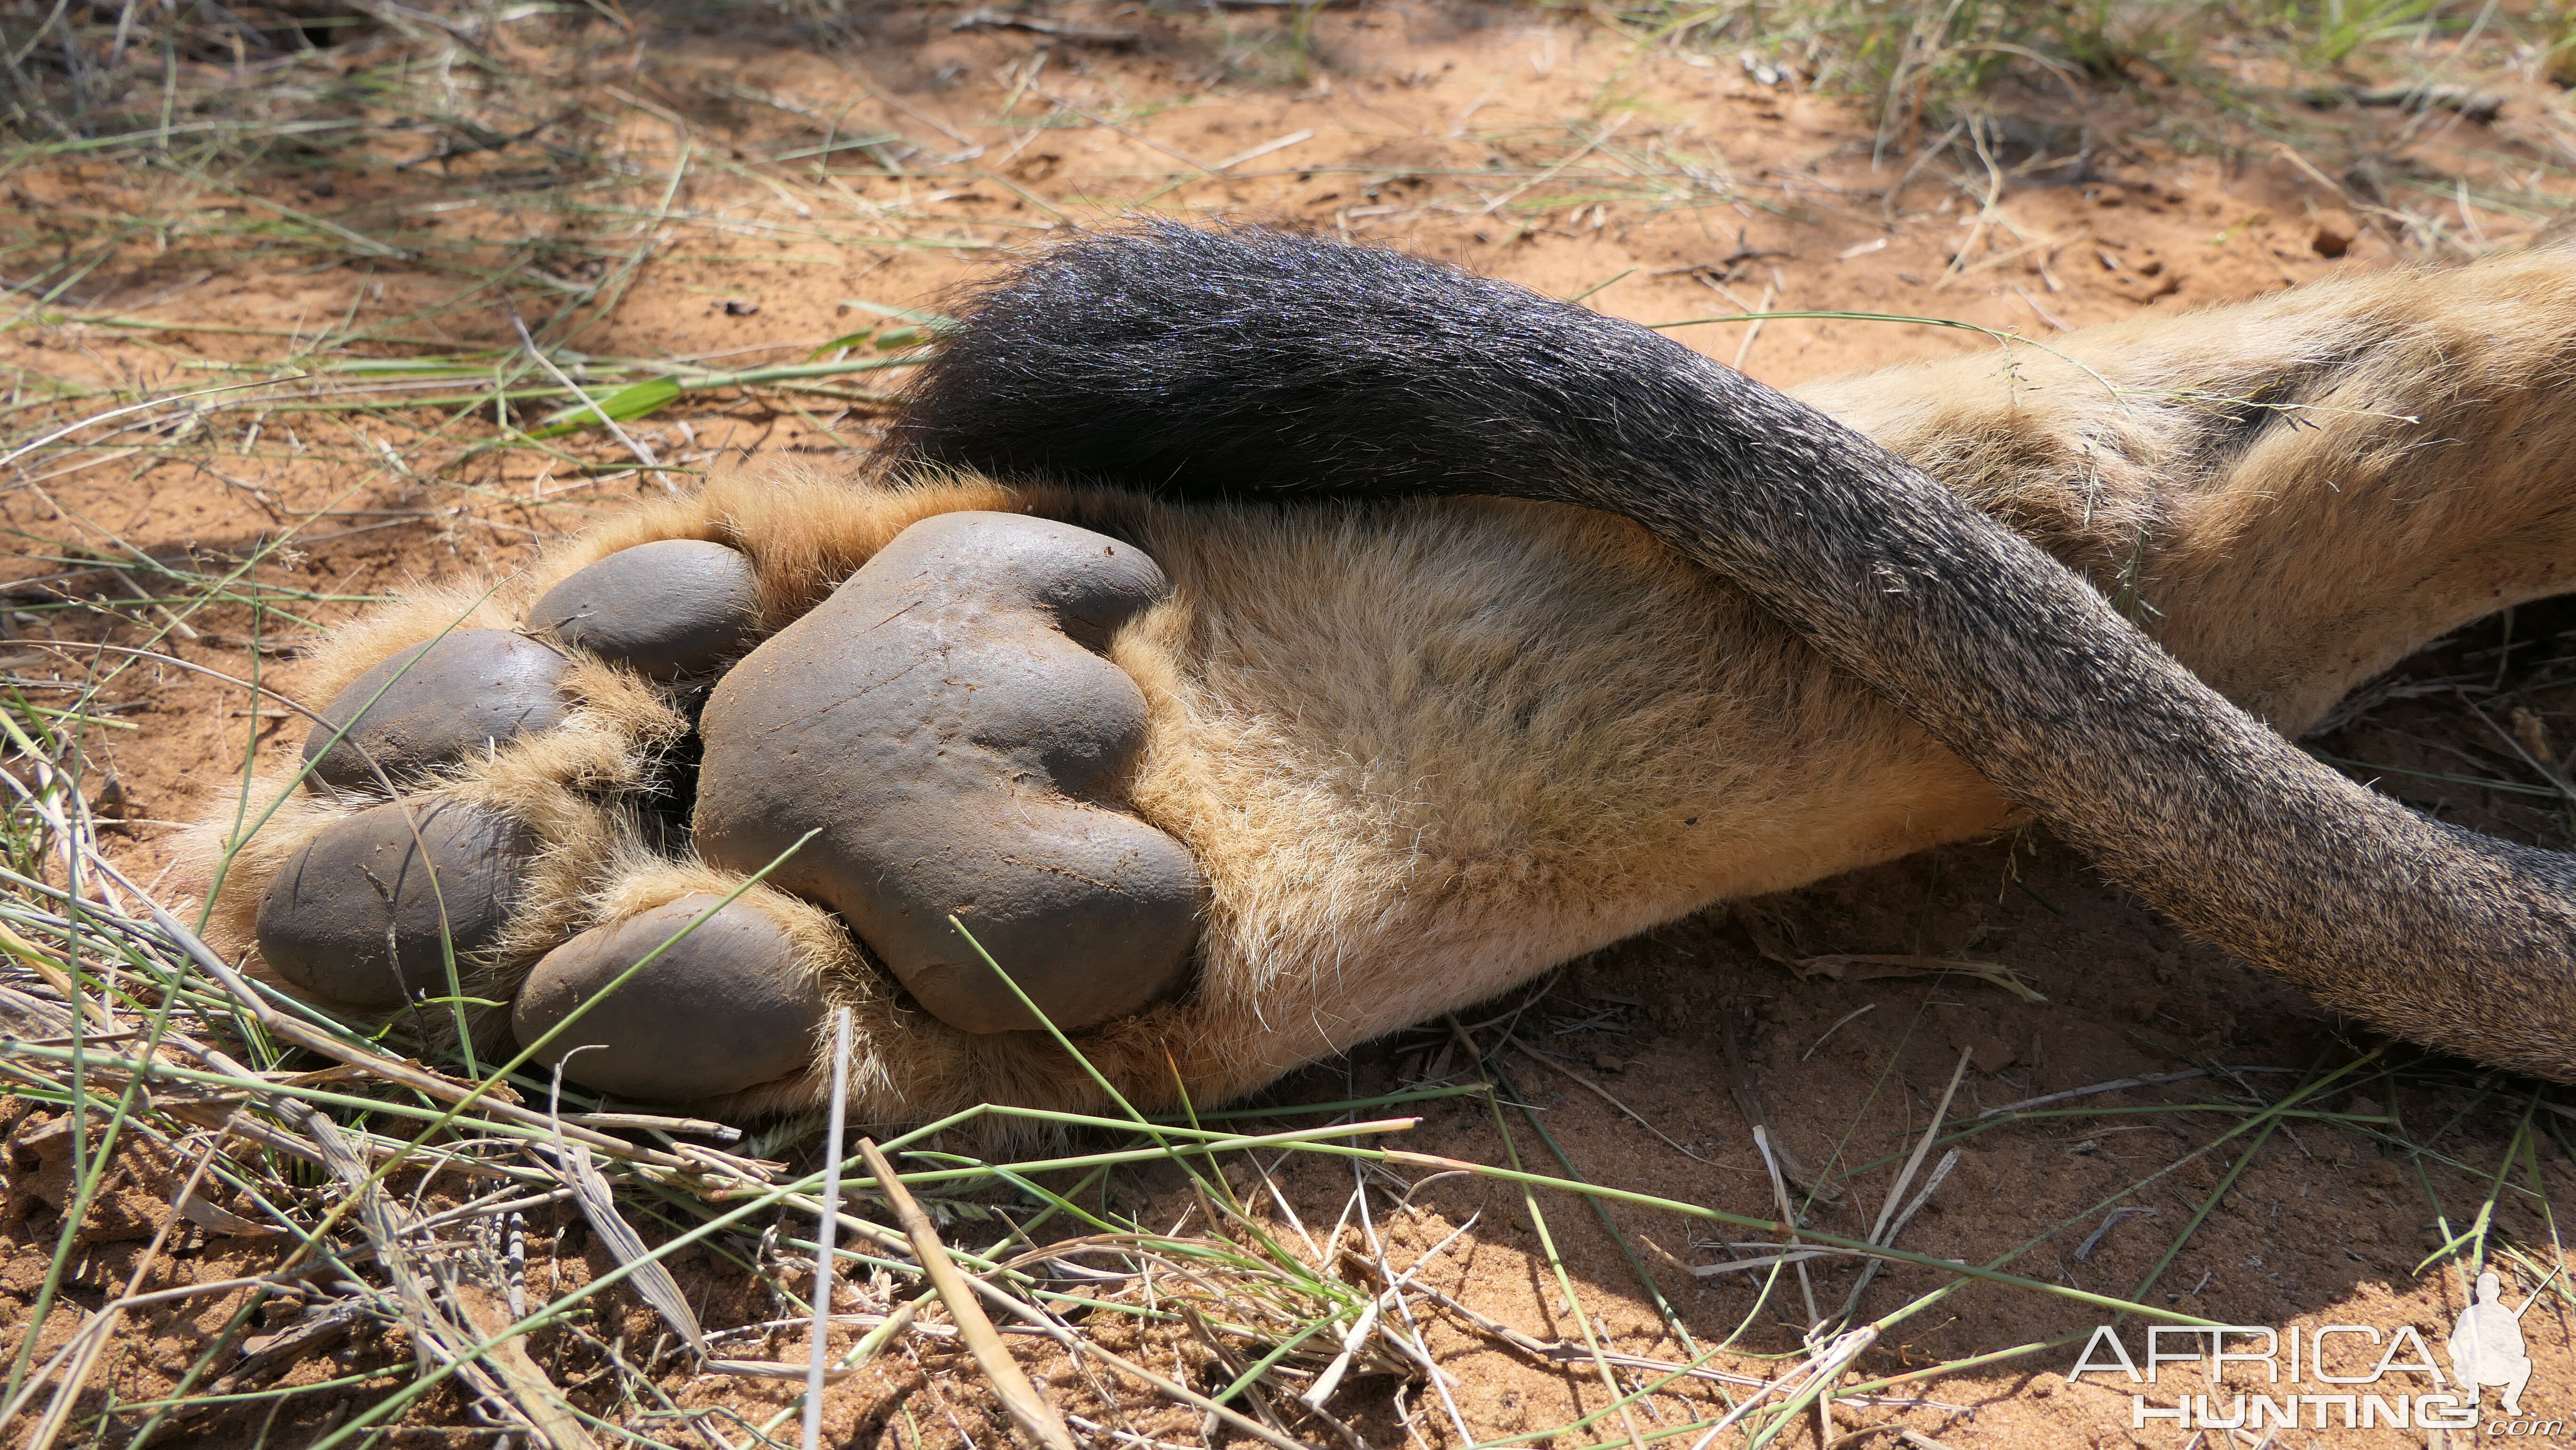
(1845, 1020)
(522, 1394)
(408, 1074)
(1358, 1334)
(1597, 1090)
(1037, 1420)
(1821, 1369)
(482, 171)
(1887, 1235)
(819, 1349)
(2113, 1086)
(652, 1281)
(1788, 1218)
(535, 1393)
(94, 1336)
(1757, 1116)
(590, 405)
(1412, 1343)
(1076, 1344)
(1235, 1368)
(1863, 967)
(1922, 1146)
(1765, 1261)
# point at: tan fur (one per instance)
(804, 531)
(1424, 751)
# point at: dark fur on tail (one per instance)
(1194, 363)
(1198, 364)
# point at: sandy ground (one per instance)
(1678, 186)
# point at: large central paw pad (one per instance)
(945, 730)
(943, 736)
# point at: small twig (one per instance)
(2111, 1220)
(2113, 1086)
(1035, 1418)
(642, 454)
(1840, 1023)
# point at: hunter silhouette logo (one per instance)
(2486, 1346)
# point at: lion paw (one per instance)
(661, 819)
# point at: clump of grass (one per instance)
(1928, 61)
(73, 68)
(1944, 68)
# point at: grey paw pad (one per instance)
(668, 608)
(727, 1007)
(436, 704)
(357, 918)
(940, 727)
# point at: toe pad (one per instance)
(436, 704)
(668, 608)
(728, 1006)
(359, 914)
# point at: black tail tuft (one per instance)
(1194, 363)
